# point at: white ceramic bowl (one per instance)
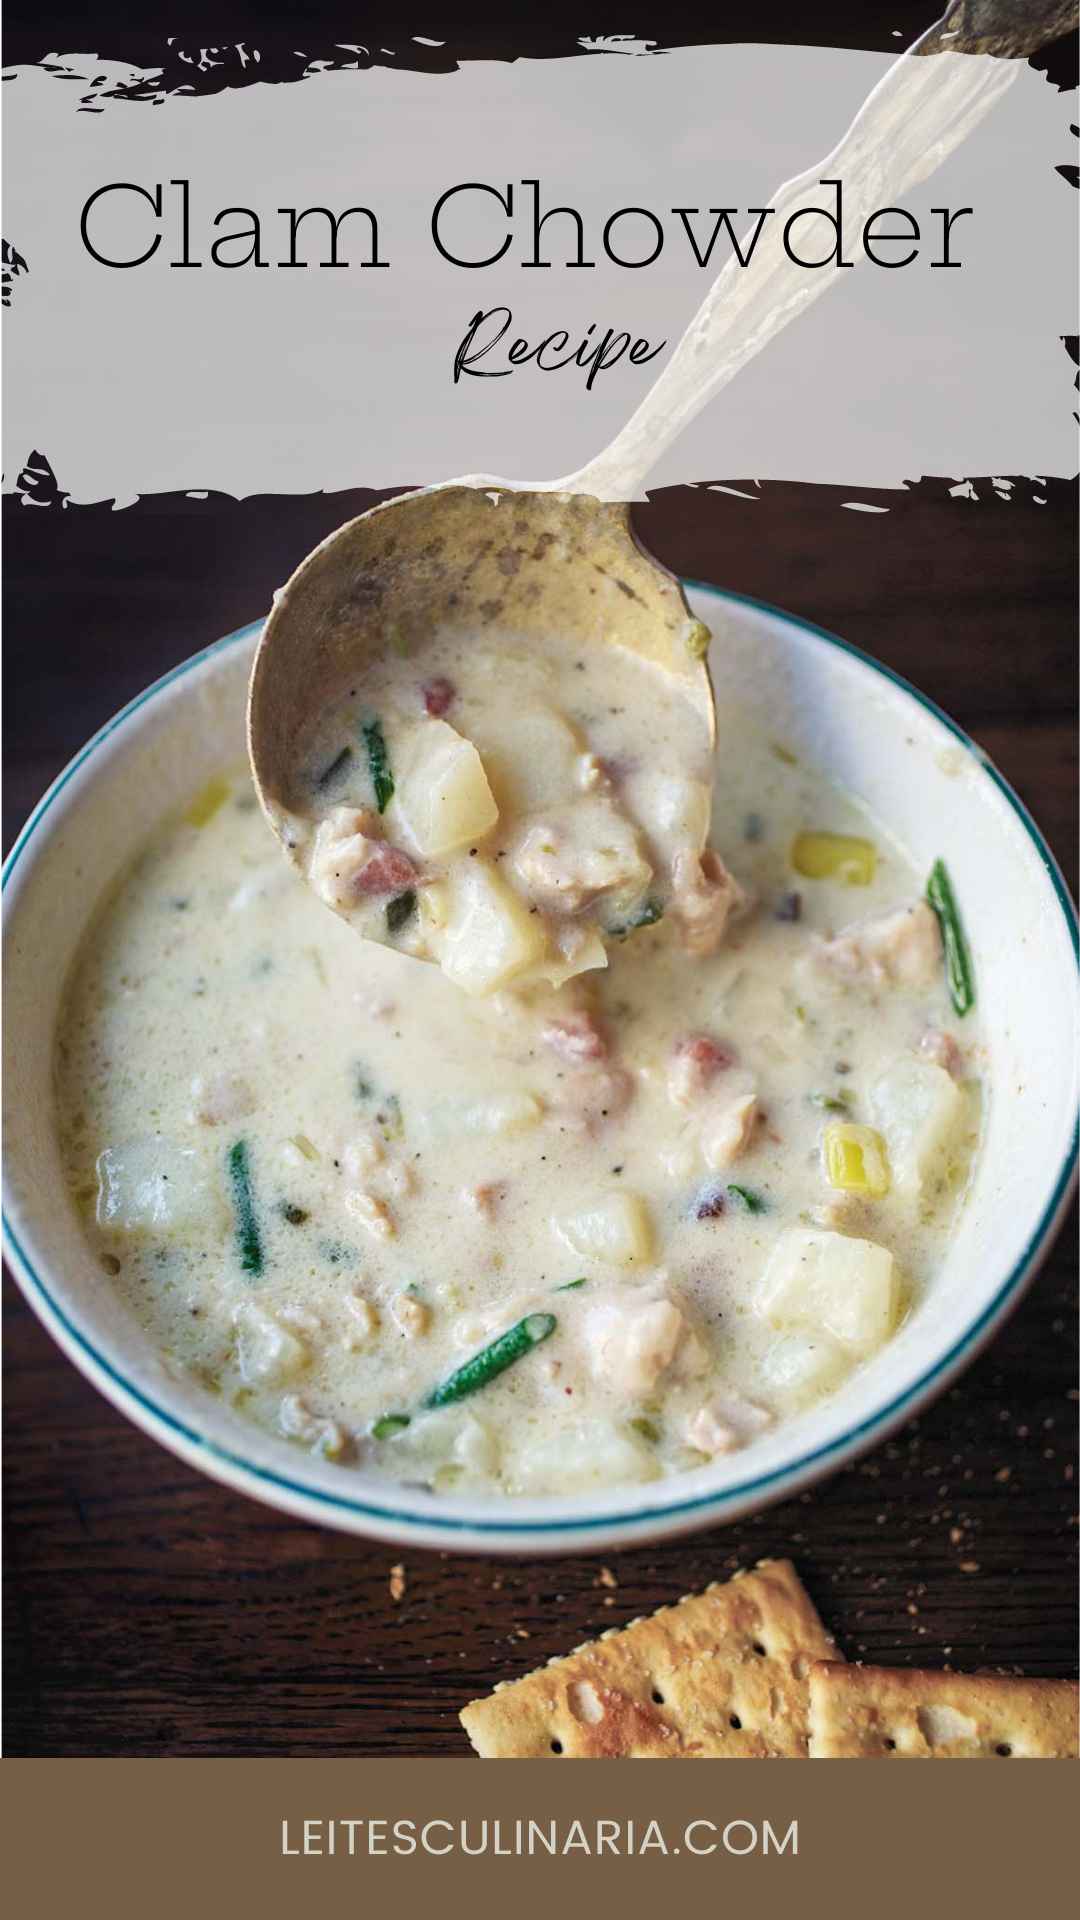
(916, 772)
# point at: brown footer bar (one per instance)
(193, 1837)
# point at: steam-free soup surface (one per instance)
(538, 1241)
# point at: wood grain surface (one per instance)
(148, 1611)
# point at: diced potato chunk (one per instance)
(594, 1453)
(267, 1353)
(834, 856)
(614, 1227)
(919, 1108)
(855, 1159)
(148, 1184)
(490, 937)
(829, 1281)
(798, 1367)
(451, 1444)
(442, 796)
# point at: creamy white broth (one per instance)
(426, 1170)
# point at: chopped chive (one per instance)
(958, 968)
(207, 801)
(379, 762)
(751, 1201)
(570, 1286)
(646, 915)
(362, 1087)
(337, 767)
(399, 911)
(493, 1360)
(337, 1253)
(647, 1429)
(388, 1424)
(248, 1238)
(840, 1102)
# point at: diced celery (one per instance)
(834, 856)
(208, 801)
(855, 1159)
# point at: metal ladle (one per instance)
(561, 557)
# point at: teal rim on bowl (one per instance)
(667, 1516)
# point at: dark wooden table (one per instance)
(148, 1611)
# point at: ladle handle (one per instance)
(918, 113)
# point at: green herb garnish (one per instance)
(834, 1102)
(647, 1429)
(337, 767)
(248, 1239)
(751, 1201)
(570, 1286)
(958, 968)
(399, 911)
(647, 915)
(379, 762)
(388, 1424)
(493, 1360)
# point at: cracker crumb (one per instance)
(605, 1578)
(1003, 1474)
(397, 1582)
(969, 1566)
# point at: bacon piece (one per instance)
(439, 696)
(387, 871)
